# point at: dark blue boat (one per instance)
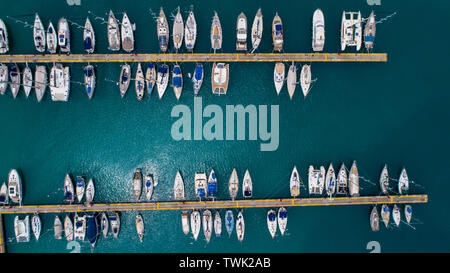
(212, 184)
(92, 229)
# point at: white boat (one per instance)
(126, 32)
(218, 224)
(374, 219)
(247, 185)
(201, 187)
(257, 30)
(139, 82)
(229, 222)
(14, 75)
(104, 225)
(4, 197)
(63, 35)
(396, 215)
(178, 187)
(114, 221)
(4, 75)
(150, 78)
(140, 229)
(39, 34)
(57, 228)
(79, 188)
(220, 78)
(15, 187)
(403, 182)
(40, 81)
(125, 77)
(195, 223)
(330, 181)
(22, 229)
(69, 192)
(36, 226)
(4, 43)
(240, 226)
(384, 180)
(408, 213)
(90, 191)
(52, 39)
(185, 221)
(341, 182)
(177, 81)
(190, 34)
(351, 30)
(385, 214)
(162, 79)
(89, 80)
(27, 80)
(68, 229)
(272, 222)
(353, 181)
(137, 184)
(279, 76)
(207, 225)
(162, 30)
(369, 31)
(233, 184)
(79, 227)
(148, 187)
(316, 180)
(318, 30)
(59, 83)
(282, 219)
(178, 30)
(113, 32)
(241, 32)
(197, 78)
(305, 79)
(277, 33)
(216, 33)
(88, 37)
(292, 80)
(294, 183)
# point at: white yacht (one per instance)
(318, 30)
(277, 33)
(137, 184)
(57, 228)
(68, 228)
(282, 219)
(190, 34)
(88, 37)
(162, 79)
(216, 33)
(39, 34)
(185, 221)
(233, 184)
(113, 32)
(27, 80)
(40, 81)
(178, 187)
(353, 180)
(80, 186)
(316, 179)
(14, 84)
(4, 75)
(69, 192)
(294, 183)
(241, 32)
(4, 43)
(207, 225)
(22, 229)
(220, 78)
(240, 226)
(104, 224)
(52, 39)
(178, 31)
(201, 187)
(125, 78)
(139, 82)
(384, 180)
(150, 78)
(126, 32)
(403, 182)
(305, 79)
(79, 227)
(90, 191)
(162, 30)
(89, 80)
(369, 31)
(396, 215)
(195, 223)
(292, 80)
(140, 229)
(114, 221)
(36, 226)
(257, 30)
(279, 76)
(218, 224)
(375, 219)
(330, 181)
(341, 182)
(177, 81)
(351, 30)
(59, 82)
(247, 185)
(408, 213)
(63, 35)
(148, 187)
(4, 196)
(385, 214)
(272, 222)
(15, 187)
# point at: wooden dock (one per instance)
(219, 204)
(195, 57)
(2, 236)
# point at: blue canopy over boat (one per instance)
(88, 71)
(278, 29)
(369, 38)
(67, 196)
(163, 68)
(80, 181)
(271, 216)
(283, 214)
(87, 43)
(198, 75)
(201, 192)
(177, 81)
(247, 193)
(212, 189)
(92, 228)
(150, 65)
(2, 199)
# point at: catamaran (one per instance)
(233, 184)
(190, 34)
(22, 229)
(68, 229)
(374, 219)
(15, 187)
(162, 30)
(279, 76)
(139, 83)
(294, 183)
(59, 83)
(351, 30)
(3, 78)
(178, 30)
(195, 223)
(305, 79)
(57, 228)
(212, 185)
(384, 180)
(403, 182)
(277, 33)
(353, 181)
(396, 215)
(36, 226)
(272, 222)
(150, 78)
(14, 75)
(63, 35)
(137, 184)
(69, 193)
(216, 33)
(207, 225)
(341, 183)
(185, 221)
(125, 77)
(385, 214)
(88, 37)
(90, 191)
(89, 80)
(27, 80)
(369, 31)
(40, 82)
(80, 186)
(241, 32)
(126, 32)
(79, 227)
(240, 226)
(114, 221)
(201, 189)
(220, 77)
(148, 187)
(39, 34)
(52, 39)
(140, 226)
(113, 32)
(257, 30)
(4, 44)
(292, 80)
(330, 181)
(197, 79)
(4, 197)
(177, 81)
(316, 179)
(162, 79)
(218, 224)
(104, 225)
(178, 187)
(318, 28)
(282, 219)
(247, 185)
(229, 222)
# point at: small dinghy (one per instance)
(140, 226)
(353, 180)
(294, 183)
(318, 35)
(178, 30)
(278, 76)
(272, 222)
(277, 33)
(201, 187)
(291, 80)
(305, 79)
(139, 82)
(14, 75)
(52, 39)
(148, 187)
(369, 32)
(90, 191)
(330, 181)
(212, 184)
(22, 229)
(257, 30)
(408, 213)
(39, 34)
(229, 222)
(384, 180)
(113, 32)
(36, 226)
(69, 193)
(114, 221)
(80, 187)
(197, 79)
(68, 229)
(247, 185)
(79, 227)
(104, 224)
(177, 81)
(150, 78)
(190, 34)
(178, 187)
(374, 219)
(241, 32)
(137, 184)
(218, 224)
(233, 184)
(125, 77)
(58, 228)
(342, 180)
(92, 229)
(4, 197)
(396, 215)
(162, 30)
(15, 187)
(27, 79)
(4, 44)
(40, 81)
(282, 220)
(185, 221)
(240, 226)
(88, 37)
(126, 32)
(89, 80)
(162, 79)
(403, 182)
(385, 214)
(4, 75)
(216, 33)
(63, 36)
(207, 225)
(195, 224)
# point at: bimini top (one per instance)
(198, 72)
(162, 68)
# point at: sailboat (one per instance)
(177, 81)
(233, 184)
(384, 180)
(240, 226)
(178, 30)
(282, 219)
(247, 185)
(219, 78)
(341, 181)
(178, 187)
(89, 80)
(40, 82)
(279, 76)
(4, 43)
(113, 32)
(272, 222)
(374, 219)
(305, 79)
(88, 37)
(14, 75)
(257, 30)
(216, 33)
(63, 35)
(292, 80)
(90, 191)
(127, 34)
(15, 187)
(140, 226)
(185, 221)
(104, 225)
(212, 184)
(201, 189)
(197, 79)
(162, 30)
(150, 78)
(4, 197)
(369, 31)
(195, 224)
(57, 228)
(207, 225)
(52, 39)
(137, 184)
(80, 187)
(277, 33)
(353, 181)
(139, 82)
(190, 34)
(3, 78)
(330, 181)
(27, 79)
(217, 224)
(36, 226)
(162, 79)
(396, 215)
(68, 229)
(408, 213)
(229, 222)
(125, 77)
(241, 32)
(385, 214)
(148, 187)
(39, 34)
(318, 28)
(294, 183)
(403, 182)
(114, 221)
(69, 193)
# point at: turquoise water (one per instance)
(375, 113)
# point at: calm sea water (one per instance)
(375, 113)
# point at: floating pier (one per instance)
(195, 57)
(219, 204)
